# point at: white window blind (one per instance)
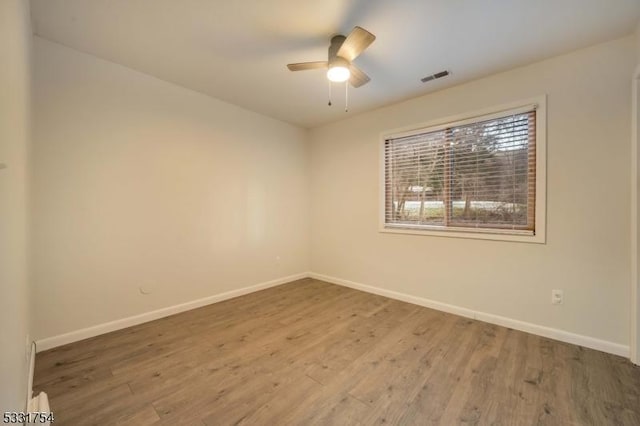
(476, 175)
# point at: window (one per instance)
(477, 175)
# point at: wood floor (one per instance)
(314, 353)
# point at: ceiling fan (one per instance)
(342, 51)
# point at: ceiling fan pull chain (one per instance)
(329, 92)
(346, 96)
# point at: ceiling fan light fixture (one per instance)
(341, 53)
(338, 74)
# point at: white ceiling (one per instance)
(237, 50)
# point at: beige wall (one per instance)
(638, 43)
(15, 122)
(141, 183)
(588, 175)
(635, 289)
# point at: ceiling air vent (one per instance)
(435, 76)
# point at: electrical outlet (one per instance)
(557, 297)
(144, 290)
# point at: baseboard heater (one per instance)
(37, 406)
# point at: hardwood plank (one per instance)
(431, 401)
(144, 417)
(309, 352)
(279, 405)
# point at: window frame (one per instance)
(539, 234)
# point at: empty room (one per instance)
(348, 212)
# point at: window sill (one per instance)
(484, 234)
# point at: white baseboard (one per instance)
(85, 333)
(551, 333)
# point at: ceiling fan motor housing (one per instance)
(336, 43)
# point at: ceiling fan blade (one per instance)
(358, 78)
(358, 40)
(302, 66)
